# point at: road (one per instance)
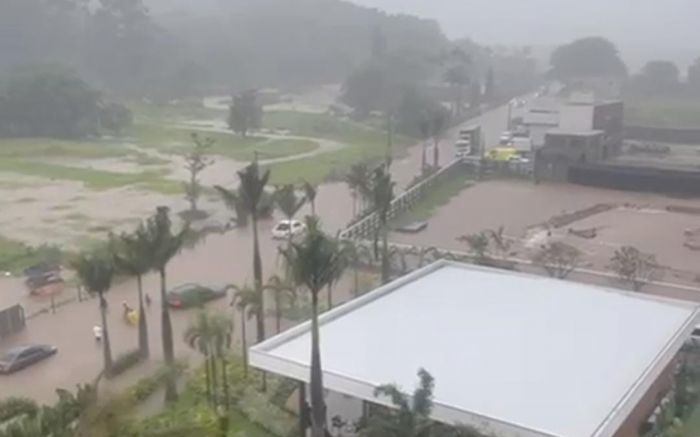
(216, 260)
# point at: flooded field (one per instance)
(528, 212)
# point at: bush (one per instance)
(13, 407)
(145, 387)
(258, 409)
(125, 362)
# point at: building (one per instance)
(511, 354)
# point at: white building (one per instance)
(514, 354)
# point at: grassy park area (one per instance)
(663, 112)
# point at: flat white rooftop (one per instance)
(517, 354)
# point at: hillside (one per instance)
(279, 42)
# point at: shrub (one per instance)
(125, 362)
(258, 409)
(13, 407)
(145, 387)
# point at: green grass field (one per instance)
(362, 144)
(38, 148)
(661, 112)
(93, 179)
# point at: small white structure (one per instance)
(513, 354)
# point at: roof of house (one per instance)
(513, 353)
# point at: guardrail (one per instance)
(405, 201)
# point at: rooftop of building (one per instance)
(513, 353)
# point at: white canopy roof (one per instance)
(516, 354)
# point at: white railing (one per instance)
(405, 201)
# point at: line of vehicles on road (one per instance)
(512, 146)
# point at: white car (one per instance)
(285, 228)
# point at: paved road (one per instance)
(218, 259)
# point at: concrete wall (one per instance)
(646, 406)
(635, 178)
(663, 134)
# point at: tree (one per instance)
(115, 117)
(659, 77)
(210, 334)
(314, 263)
(694, 76)
(490, 84)
(198, 336)
(280, 289)
(357, 180)
(245, 114)
(478, 245)
(165, 244)
(248, 301)
(251, 192)
(634, 267)
(592, 56)
(410, 416)
(95, 271)
(457, 76)
(133, 256)
(310, 192)
(500, 241)
(236, 201)
(195, 162)
(440, 123)
(48, 101)
(382, 194)
(557, 259)
(288, 202)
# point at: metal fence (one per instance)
(366, 227)
(11, 321)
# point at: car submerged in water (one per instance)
(20, 357)
(194, 295)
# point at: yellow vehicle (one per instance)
(502, 154)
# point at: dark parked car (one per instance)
(24, 356)
(190, 295)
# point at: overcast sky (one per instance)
(641, 28)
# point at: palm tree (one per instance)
(280, 289)
(133, 256)
(198, 336)
(382, 194)
(410, 416)
(222, 334)
(95, 271)
(251, 192)
(310, 192)
(314, 263)
(288, 202)
(357, 180)
(426, 130)
(164, 246)
(246, 300)
(440, 123)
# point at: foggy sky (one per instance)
(641, 28)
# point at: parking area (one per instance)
(533, 214)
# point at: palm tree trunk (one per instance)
(318, 407)
(207, 377)
(278, 312)
(143, 326)
(106, 347)
(330, 296)
(244, 344)
(354, 202)
(424, 158)
(257, 275)
(356, 279)
(224, 381)
(436, 154)
(167, 336)
(386, 274)
(214, 379)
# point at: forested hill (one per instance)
(294, 42)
